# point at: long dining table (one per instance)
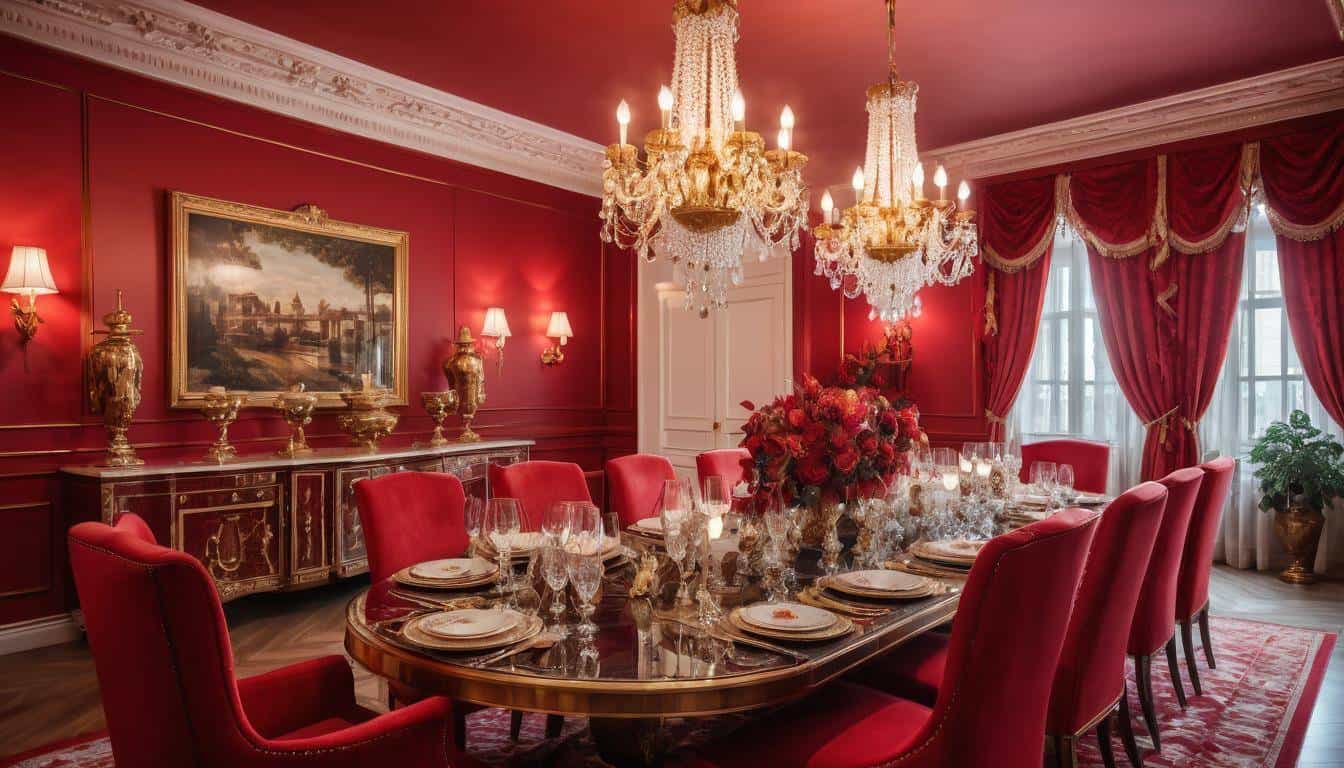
(648, 661)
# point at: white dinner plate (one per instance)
(882, 581)
(453, 569)
(468, 623)
(788, 617)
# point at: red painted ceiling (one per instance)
(983, 66)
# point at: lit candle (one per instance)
(665, 105)
(940, 179)
(857, 182)
(783, 139)
(917, 180)
(623, 118)
(786, 128)
(963, 193)
(739, 111)
(827, 205)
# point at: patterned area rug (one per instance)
(1254, 712)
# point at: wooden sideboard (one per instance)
(262, 524)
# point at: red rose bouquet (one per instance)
(826, 443)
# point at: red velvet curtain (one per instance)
(1303, 176)
(1017, 232)
(1165, 270)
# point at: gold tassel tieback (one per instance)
(991, 318)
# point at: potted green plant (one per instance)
(1301, 471)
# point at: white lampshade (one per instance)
(496, 324)
(28, 272)
(559, 327)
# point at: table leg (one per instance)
(630, 742)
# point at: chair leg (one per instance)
(554, 724)
(1066, 751)
(459, 729)
(515, 723)
(1175, 671)
(1188, 640)
(1104, 741)
(1204, 635)
(1127, 732)
(1143, 679)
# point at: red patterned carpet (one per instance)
(1254, 712)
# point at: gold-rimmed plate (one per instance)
(841, 627)
(524, 628)
(405, 578)
(468, 623)
(880, 584)
(955, 552)
(451, 569)
(787, 617)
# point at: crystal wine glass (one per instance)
(585, 573)
(1064, 483)
(555, 522)
(473, 517)
(503, 522)
(675, 509)
(555, 570)
(1044, 474)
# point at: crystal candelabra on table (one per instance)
(707, 191)
(893, 241)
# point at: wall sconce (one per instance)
(28, 276)
(497, 326)
(560, 331)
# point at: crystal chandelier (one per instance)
(707, 191)
(893, 241)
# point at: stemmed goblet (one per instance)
(585, 573)
(473, 517)
(555, 570)
(503, 522)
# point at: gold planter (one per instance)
(221, 409)
(466, 375)
(367, 421)
(296, 407)
(113, 373)
(1299, 528)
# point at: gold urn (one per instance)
(366, 421)
(220, 408)
(1299, 528)
(296, 408)
(114, 370)
(466, 375)
(438, 405)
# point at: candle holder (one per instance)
(296, 407)
(438, 405)
(221, 409)
(366, 421)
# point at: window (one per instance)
(1269, 374)
(1070, 389)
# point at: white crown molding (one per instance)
(1297, 92)
(197, 48)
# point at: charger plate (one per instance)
(524, 628)
(840, 628)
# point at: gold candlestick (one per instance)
(221, 409)
(438, 405)
(296, 407)
(114, 369)
(366, 421)
(466, 375)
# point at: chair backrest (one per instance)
(161, 649)
(636, 483)
(1192, 586)
(1090, 460)
(1154, 616)
(537, 485)
(1091, 671)
(410, 517)
(724, 462)
(996, 686)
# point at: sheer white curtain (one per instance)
(1262, 382)
(1070, 390)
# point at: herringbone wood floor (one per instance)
(52, 693)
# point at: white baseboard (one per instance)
(37, 633)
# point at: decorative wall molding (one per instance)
(37, 633)
(185, 44)
(1290, 93)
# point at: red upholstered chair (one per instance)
(537, 485)
(1192, 586)
(991, 706)
(636, 483)
(725, 462)
(1090, 461)
(410, 517)
(1090, 679)
(165, 672)
(1154, 626)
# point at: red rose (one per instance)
(812, 470)
(797, 418)
(847, 459)
(867, 442)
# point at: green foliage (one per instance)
(1298, 460)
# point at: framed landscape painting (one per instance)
(265, 299)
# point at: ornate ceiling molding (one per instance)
(1297, 92)
(197, 48)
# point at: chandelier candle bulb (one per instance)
(783, 139)
(963, 192)
(857, 182)
(623, 119)
(739, 111)
(665, 105)
(940, 181)
(917, 179)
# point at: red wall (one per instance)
(90, 154)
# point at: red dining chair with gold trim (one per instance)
(1091, 460)
(723, 462)
(165, 673)
(636, 483)
(991, 706)
(1192, 586)
(1154, 626)
(410, 517)
(537, 485)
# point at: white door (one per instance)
(694, 372)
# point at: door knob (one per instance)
(717, 426)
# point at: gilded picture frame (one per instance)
(262, 299)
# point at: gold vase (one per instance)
(296, 407)
(221, 409)
(438, 405)
(1299, 528)
(366, 421)
(466, 375)
(113, 373)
